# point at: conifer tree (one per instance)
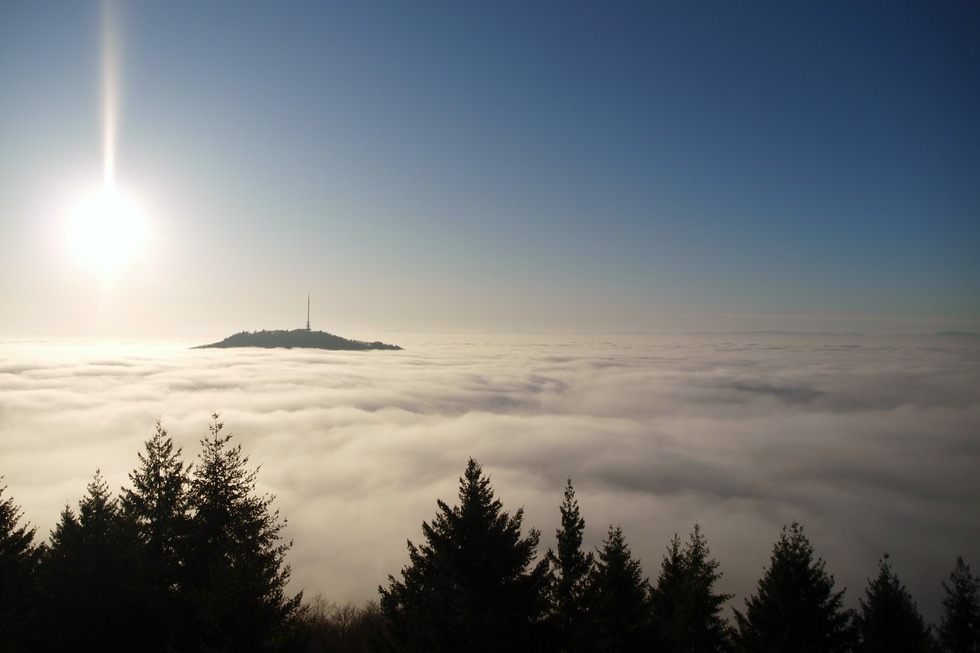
(670, 594)
(959, 631)
(158, 502)
(619, 599)
(158, 506)
(472, 586)
(87, 577)
(796, 607)
(18, 563)
(686, 608)
(889, 621)
(570, 568)
(235, 558)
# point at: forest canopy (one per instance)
(190, 557)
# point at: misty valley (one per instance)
(712, 476)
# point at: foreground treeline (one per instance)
(190, 558)
(476, 584)
(185, 559)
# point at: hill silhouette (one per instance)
(299, 338)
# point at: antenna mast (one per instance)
(307, 311)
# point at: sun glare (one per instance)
(107, 230)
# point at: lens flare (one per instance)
(106, 228)
(110, 99)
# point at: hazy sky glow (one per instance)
(666, 166)
(871, 444)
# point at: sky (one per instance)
(689, 166)
(869, 442)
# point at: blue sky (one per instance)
(641, 166)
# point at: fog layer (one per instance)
(873, 444)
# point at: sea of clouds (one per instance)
(873, 444)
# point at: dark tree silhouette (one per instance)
(686, 608)
(346, 628)
(471, 586)
(619, 599)
(670, 593)
(889, 621)
(235, 558)
(570, 568)
(18, 562)
(89, 578)
(796, 607)
(158, 506)
(959, 631)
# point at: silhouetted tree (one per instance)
(89, 600)
(235, 558)
(959, 631)
(795, 608)
(570, 568)
(686, 608)
(342, 629)
(471, 586)
(158, 505)
(889, 620)
(670, 593)
(18, 562)
(619, 599)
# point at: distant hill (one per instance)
(300, 338)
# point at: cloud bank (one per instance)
(873, 444)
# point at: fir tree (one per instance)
(158, 502)
(158, 506)
(687, 610)
(889, 621)
(619, 599)
(18, 562)
(959, 631)
(235, 558)
(671, 594)
(570, 574)
(471, 586)
(89, 595)
(796, 607)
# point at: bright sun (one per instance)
(107, 230)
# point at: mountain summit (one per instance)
(299, 338)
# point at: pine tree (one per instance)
(619, 599)
(235, 558)
(471, 586)
(18, 563)
(959, 631)
(671, 595)
(86, 576)
(158, 506)
(687, 610)
(889, 621)
(796, 608)
(570, 573)
(158, 502)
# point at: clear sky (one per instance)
(566, 165)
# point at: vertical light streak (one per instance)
(110, 80)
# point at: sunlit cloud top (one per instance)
(870, 443)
